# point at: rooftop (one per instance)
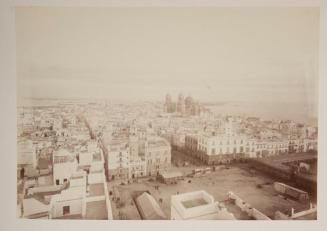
(158, 143)
(63, 156)
(198, 205)
(25, 151)
(97, 156)
(44, 163)
(96, 210)
(149, 208)
(34, 207)
(194, 202)
(62, 159)
(96, 189)
(171, 174)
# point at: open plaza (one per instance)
(256, 189)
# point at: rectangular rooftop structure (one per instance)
(198, 205)
(171, 176)
(194, 203)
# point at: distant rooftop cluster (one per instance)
(70, 154)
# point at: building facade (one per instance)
(118, 160)
(216, 149)
(157, 156)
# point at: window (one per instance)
(57, 182)
(65, 210)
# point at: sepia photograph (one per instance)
(148, 113)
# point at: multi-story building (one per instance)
(270, 147)
(157, 156)
(91, 157)
(178, 140)
(137, 163)
(310, 145)
(83, 199)
(216, 148)
(137, 167)
(191, 143)
(296, 145)
(118, 159)
(64, 165)
(26, 154)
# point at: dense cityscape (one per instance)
(175, 159)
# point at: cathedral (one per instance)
(184, 106)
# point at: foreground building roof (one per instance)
(149, 208)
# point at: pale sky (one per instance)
(217, 54)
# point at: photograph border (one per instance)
(9, 220)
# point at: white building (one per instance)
(64, 165)
(157, 156)
(85, 198)
(118, 159)
(68, 203)
(214, 148)
(26, 155)
(91, 156)
(198, 205)
(270, 147)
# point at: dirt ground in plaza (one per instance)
(217, 183)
